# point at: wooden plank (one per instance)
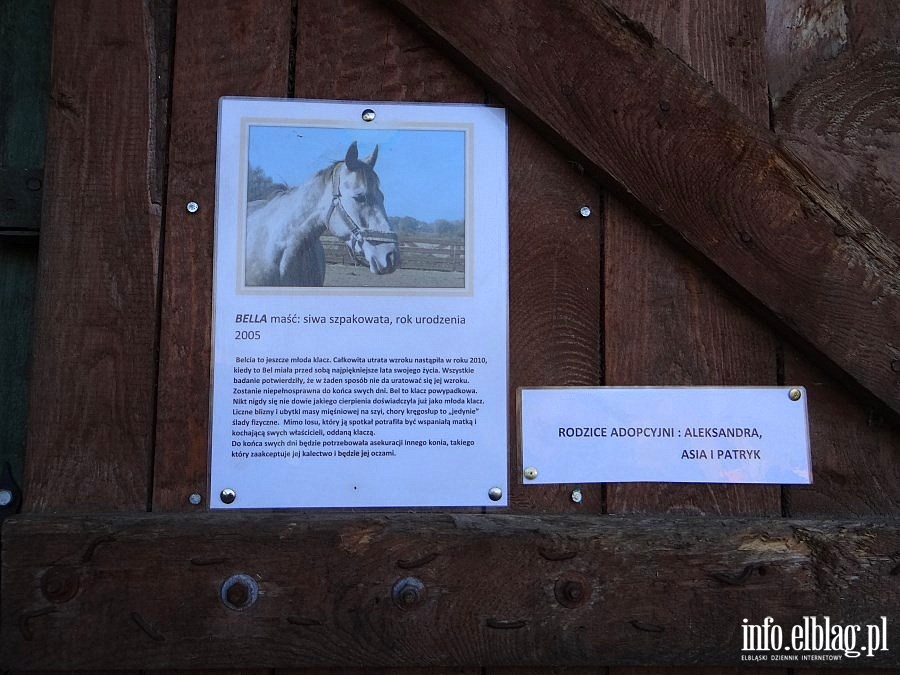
(754, 215)
(91, 408)
(237, 48)
(678, 326)
(640, 591)
(838, 70)
(553, 328)
(24, 89)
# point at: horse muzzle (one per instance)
(383, 258)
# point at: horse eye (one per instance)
(360, 199)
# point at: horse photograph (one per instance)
(317, 215)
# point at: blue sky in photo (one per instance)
(422, 172)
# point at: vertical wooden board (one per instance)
(554, 328)
(838, 115)
(235, 48)
(555, 294)
(854, 450)
(666, 322)
(24, 91)
(91, 406)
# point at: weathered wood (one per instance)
(746, 207)
(237, 48)
(834, 70)
(91, 408)
(667, 323)
(555, 295)
(144, 590)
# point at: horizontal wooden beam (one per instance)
(638, 117)
(150, 591)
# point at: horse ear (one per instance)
(352, 158)
(371, 159)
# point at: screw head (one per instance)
(196, 499)
(496, 494)
(193, 207)
(368, 115)
(409, 593)
(34, 184)
(239, 591)
(794, 394)
(228, 496)
(531, 473)
(577, 496)
(6, 497)
(585, 211)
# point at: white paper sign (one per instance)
(674, 434)
(361, 304)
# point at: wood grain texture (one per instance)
(838, 114)
(555, 295)
(670, 591)
(668, 323)
(854, 451)
(235, 48)
(747, 208)
(91, 407)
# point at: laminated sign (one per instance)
(360, 305)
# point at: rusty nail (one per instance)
(745, 237)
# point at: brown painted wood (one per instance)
(748, 209)
(554, 328)
(854, 451)
(91, 408)
(841, 89)
(668, 323)
(555, 295)
(235, 48)
(143, 590)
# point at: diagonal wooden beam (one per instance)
(645, 123)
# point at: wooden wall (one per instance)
(119, 387)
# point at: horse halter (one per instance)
(358, 234)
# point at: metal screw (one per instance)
(585, 211)
(368, 115)
(196, 499)
(6, 497)
(665, 106)
(794, 394)
(495, 494)
(193, 207)
(228, 495)
(577, 496)
(408, 593)
(33, 184)
(745, 237)
(531, 473)
(239, 591)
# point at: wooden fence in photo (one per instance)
(417, 253)
(700, 193)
